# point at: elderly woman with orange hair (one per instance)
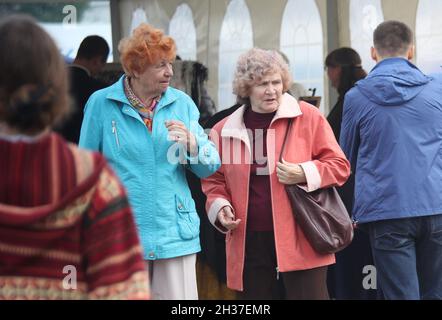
(149, 133)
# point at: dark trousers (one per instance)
(345, 279)
(263, 282)
(408, 257)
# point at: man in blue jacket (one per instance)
(392, 135)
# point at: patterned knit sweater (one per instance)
(66, 229)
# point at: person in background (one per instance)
(66, 228)
(190, 77)
(150, 134)
(346, 277)
(344, 69)
(296, 89)
(391, 133)
(268, 256)
(89, 62)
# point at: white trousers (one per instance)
(173, 279)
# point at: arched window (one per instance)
(182, 29)
(429, 35)
(301, 41)
(138, 17)
(68, 24)
(236, 37)
(365, 15)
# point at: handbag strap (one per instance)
(287, 133)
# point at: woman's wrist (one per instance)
(192, 146)
(300, 175)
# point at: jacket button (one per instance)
(151, 254)
(180, 206)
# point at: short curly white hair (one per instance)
(253, 65)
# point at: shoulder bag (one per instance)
(321, 214)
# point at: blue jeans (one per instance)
(408, 257)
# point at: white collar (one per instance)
(81, 67)
(19, 137)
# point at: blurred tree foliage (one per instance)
(43, 11)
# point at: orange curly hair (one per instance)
(146, 46)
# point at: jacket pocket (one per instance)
(188, 220)
(228, 236)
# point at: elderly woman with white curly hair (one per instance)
(268, 255)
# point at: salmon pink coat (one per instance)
(311, 144)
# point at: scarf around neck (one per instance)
(146, 111)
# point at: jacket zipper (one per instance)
(273, 211)
(114, 131)
(245, 223)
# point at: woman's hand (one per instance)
(290, 173)
(227, 219)
(179, 133)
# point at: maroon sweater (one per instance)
(259, 215)
(66, 228)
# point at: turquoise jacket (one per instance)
(152, 167)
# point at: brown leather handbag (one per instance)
(321, 214)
